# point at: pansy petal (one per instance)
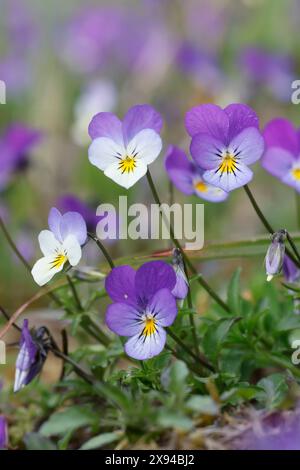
(248, 146)
(163, 307)
(54, 220)
(72, 249)
(119, 284)
(240, 116)
(139, 117)
(291, 180)
(72, 223)
(277, 161)
(207, 119)
(123, 319)
(146, 145)
(44, 270)
(104, 151)
(229, 181)
(153, 276)
(144, 347)
(48, 243)
(180, 170)
(106, 125)
(206, 150)
(281, 133)
(124, 178)
(209, 193)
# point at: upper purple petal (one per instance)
(139, 117)
(180, 170)
(120, 285)
(207, 119)
(106, 125)
(153, 276)
(54, 220)
(72, 223)
(281, 133)
(240, 116)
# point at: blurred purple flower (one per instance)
(15, 144)
(16, 74)
(25, 246)
(143, 306)
(70, 202)
(187, 177)
(21, 26)
(274, 71)
(3, 432)
(224, 143)
(290, 270)
(282, 151)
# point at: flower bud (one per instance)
(275, 254)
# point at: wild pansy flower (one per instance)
(32, 355)
(282, 151)
(123, 150)
(187, 177)
(143, 306)
(224, 143)
(60, 244)
(275, 254)
(15, 144)
(3, 432)
(181, 288)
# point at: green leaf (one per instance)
(101, 440)
(68, 420)
(216, 335)
(203, 404)
(233, 295)
(35, 441)
(171, 419)
(274, 390)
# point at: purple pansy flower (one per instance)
(123, 150)
(282, 151)
(187, 177)
(224, 143)
(60, 244)
(290, 271)
(3, 433)
(181, 288)
(143, 306)
(15, 144)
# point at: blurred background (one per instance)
(63, 62)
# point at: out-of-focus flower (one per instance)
(224, 143)
(91, 37)
(60, 244)
(282, 151)
(16, 74)
(123, 150)
(181, 288)
(32, 355)
(201, 66)
(98, 96)
(272, 70)
(187, 177)
(70, 202)
(25, 246)
(143, 306)
(3, 433)
(21, 26)
(275, 254)
(15, 145)
(290, 271)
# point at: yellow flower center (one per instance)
(296, 173)
(59, 261)
(150, 326)
(228, 164)
(127, 165)
(201, 187)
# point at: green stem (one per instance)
(188, 263)
(74, 292)
(268, 227)
(77, 368)
(196, 358)
(103, 249)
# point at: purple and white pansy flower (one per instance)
(60, 244)
(123, 150)
(187, 177)
(224, 143)
(143, 306)
(282, 151)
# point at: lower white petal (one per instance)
(126, 179)
(72, 249)
(146, 145)
(104, 151)
(45, 268)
